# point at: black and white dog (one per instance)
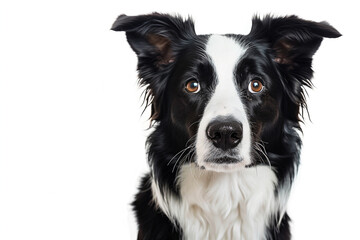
(225, 146)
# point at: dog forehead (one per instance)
(225, 53)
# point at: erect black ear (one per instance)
(155, 36)
(293, 40)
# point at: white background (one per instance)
(71, 135)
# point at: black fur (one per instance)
(170, 53)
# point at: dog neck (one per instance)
(212, 205)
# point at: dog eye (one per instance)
(192, 86)
(256, 86)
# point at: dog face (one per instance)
(225, 96)
(245, 96)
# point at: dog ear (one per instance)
(156, 39)
(293, 40)
(155, 35)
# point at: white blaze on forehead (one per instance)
(224, 53)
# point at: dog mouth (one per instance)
(223, 163)
(224, 160)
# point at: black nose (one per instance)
(225, 133)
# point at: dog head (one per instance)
(229, 96)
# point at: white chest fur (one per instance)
(234, 205)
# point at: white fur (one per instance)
(224, 53)
(220, 206)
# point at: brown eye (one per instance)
(192, 86)
(256, 86)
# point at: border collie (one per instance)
(226, 112)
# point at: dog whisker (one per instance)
(261, 148)
(180, 157)
(180, 152)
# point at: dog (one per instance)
(226, 113)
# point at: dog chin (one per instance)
(223, 164)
